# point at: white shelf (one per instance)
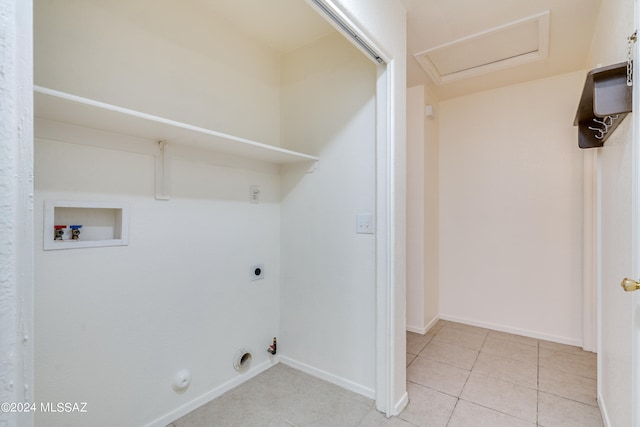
(63, 107)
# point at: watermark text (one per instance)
(45, 407)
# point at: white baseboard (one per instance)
(524, 332)
(416, 329)
(424, 329)
(334, 379)
(236, 381)
(603, 412)
(402, 403)
(212, 394)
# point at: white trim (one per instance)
(402, 403)
(121, 224)
(329, 377)
(385, 218)
(240, 379)
(518, 331)
(589, 251)
(417, 329)
(432, 323)
(423, 330)
(635, 229)
(384, 248)
(606, 421)
(212, 394)
(598, 204)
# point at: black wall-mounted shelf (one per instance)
(605, 102)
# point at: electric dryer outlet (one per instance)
(257, 272)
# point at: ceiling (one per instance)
(286, 25)
(434, 23)
(282, 25)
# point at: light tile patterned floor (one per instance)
(475, 377)
(457, 376)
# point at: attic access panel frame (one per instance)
(605, 102)
(515, 43)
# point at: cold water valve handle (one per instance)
(75, 231)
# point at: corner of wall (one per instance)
(16, 208)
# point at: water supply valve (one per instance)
(273, 348)
(75, 231)
(58, 231)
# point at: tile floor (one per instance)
(463, 376)
(457, 376)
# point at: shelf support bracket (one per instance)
(162, 171)
(313, 167)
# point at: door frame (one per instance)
(590, 258)
(635, 247)
(635, 298)
(390, 351)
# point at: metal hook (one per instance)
(602, 133)
(608, 119)
(604, 123)
(611, 119)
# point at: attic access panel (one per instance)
(515, 43)
(606, 100)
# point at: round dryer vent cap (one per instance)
(242, 361)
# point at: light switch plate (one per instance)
(365, 223)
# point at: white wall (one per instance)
(416, 238)
(422, 211)
(511, 209)
(115, 324)
(199, 77)
(431, 300)
(16, 210)
(209, 75)
(327, 296)
(151, 312)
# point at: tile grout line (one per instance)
(486, 337)
(457, 397)
(496, 410)
(487, 407)
(568, 398)
(452, 411)
(467, 379)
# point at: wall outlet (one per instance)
(257, 272)
(254, 194)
